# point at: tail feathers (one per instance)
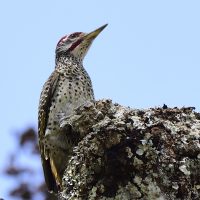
(49, 177)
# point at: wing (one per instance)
(44, 106)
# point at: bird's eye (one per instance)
(74, 35)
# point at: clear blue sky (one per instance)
(148, 55)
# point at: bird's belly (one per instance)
(65, 100)
(68, 102)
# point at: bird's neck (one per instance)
(66, 59)
(67, 63)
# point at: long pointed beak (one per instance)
(92, 35)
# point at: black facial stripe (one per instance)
(75, 45)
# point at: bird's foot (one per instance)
(82, 107)
(66, 122)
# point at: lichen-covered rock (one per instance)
(126, 154)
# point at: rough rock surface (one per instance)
(126, 154)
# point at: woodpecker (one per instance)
(68, 87)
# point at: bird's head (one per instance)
(77, 44)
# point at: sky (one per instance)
(148, 54)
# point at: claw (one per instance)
(65, 122)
